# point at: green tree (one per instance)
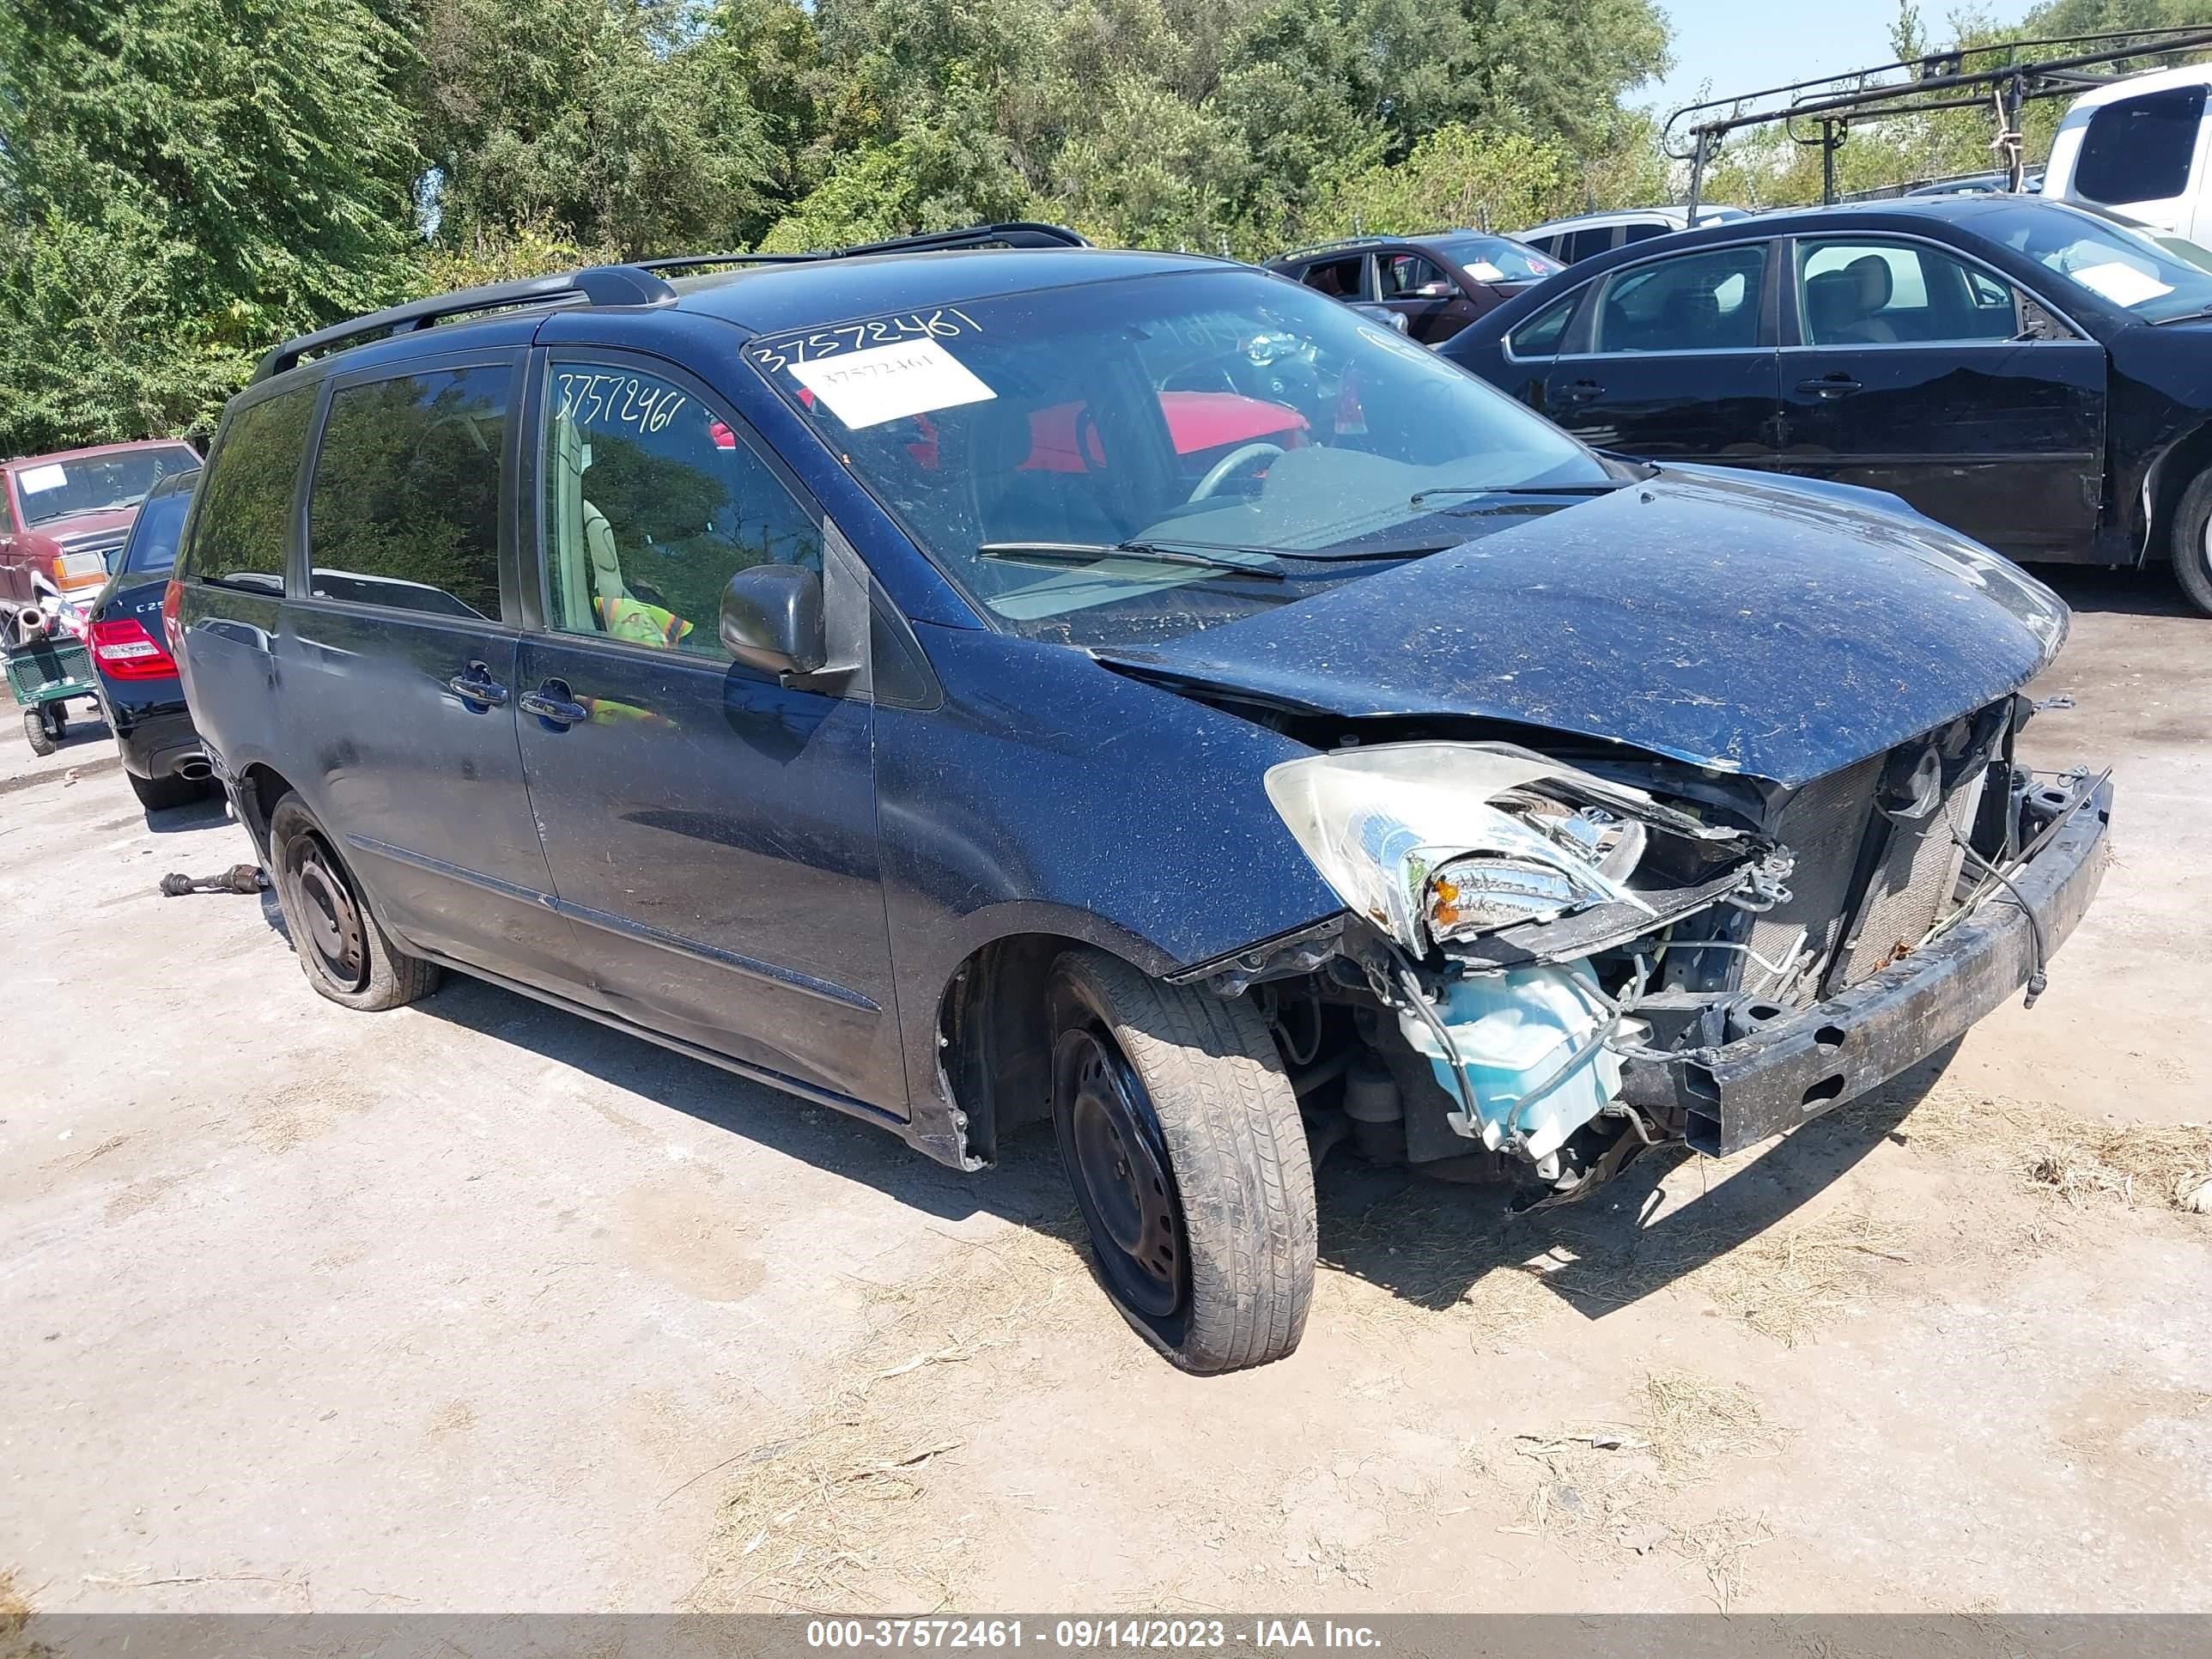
(181, 183)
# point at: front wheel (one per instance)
(2192, 543)
(1181, 1137)
(43, 741)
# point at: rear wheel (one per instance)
(160, 794)
(2192, 543)
(1181, 1137)
(343, 952)
(43, 741)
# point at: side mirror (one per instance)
(772, 619)
(1379, 313)
(1435, 291)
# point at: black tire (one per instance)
(2191, 545)
(34, 728)
(160, 794)
(1182, 1137)
(345, 955)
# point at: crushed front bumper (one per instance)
(1796, 1066)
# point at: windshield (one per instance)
(2145, 272)
(153, 544)
(1135, 459)
(1496, 258)
(96, 483)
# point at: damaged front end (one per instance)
(1545, 967)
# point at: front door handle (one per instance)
(475, 686)
(1831, 385)
(552, 703)
(1581, 392)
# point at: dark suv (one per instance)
(1439, 282)
(989, 679)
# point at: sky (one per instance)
(1740, 45)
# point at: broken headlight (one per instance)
(1433, 842)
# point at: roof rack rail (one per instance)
(598, 285)
(633, 283)
(2001, 78)
(1014, 232)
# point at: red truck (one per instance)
(77, 501)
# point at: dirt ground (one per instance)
(476, 1306)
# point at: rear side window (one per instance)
(1643, 232)
(652, 503)
(243, 528)
(1587, 244)
(1704, 301)
(1345, 279)
(404, 509)
(2139, 150)
(153, 546)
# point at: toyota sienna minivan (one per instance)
(985, 679)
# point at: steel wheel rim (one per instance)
(331, 916)
(1121, 1174)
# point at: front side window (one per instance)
(405, 507)
(2139, 150)
(242, 529)
(1138, 459)
(653, 502)
(1702, 302)
(51, 490)
(1855, 292)
(1409, 277)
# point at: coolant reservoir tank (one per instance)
(1511, 1032)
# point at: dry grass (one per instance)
(1628, 1485)
(15, 1622)
(815, 1517)
(2080, 1160)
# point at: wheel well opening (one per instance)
(263, 787)
(2180, 467)
(995, 1035)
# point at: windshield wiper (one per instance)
(1593, 487)
(1234, 561)
(2184, 317)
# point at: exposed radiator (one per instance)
(1823, 824)
(1914, 884)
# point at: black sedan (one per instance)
(2035, 374)
(139, 691)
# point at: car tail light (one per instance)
(172, 597)
(125, 651)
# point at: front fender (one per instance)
(1051, 795)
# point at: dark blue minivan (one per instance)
(983, 678)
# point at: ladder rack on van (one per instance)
(1923, 86)
(637, 282)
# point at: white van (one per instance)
(2142, 146)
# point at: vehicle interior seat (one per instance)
(1015, 502)
(1691, 318)
(1842, 307)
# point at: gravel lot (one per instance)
(476, 1306)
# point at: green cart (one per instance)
(44, 674)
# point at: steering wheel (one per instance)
(1226, 468)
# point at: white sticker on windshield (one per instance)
(2123, 285)
(35, 479)
(867, 388)
(1483, 271)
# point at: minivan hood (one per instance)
(1780, 629)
